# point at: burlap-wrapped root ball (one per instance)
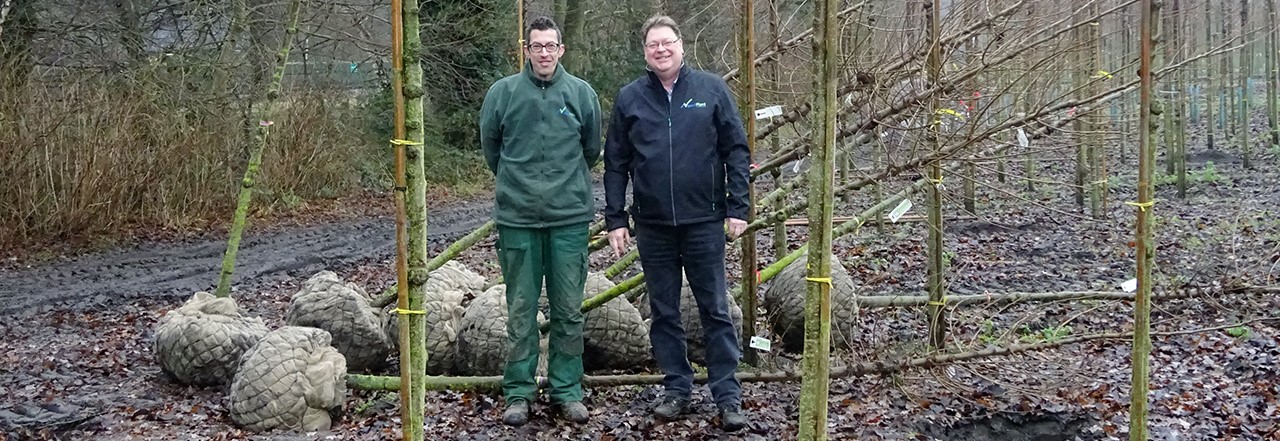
(201, 342)
(343, 309)
(691, 321)
(784, 301)
(292, 379)
(456, 276)
(446, 288)
(614, 335)
(482, 340)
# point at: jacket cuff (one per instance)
(737, 213)
(617, 222)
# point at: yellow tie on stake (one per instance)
(1142, 205)
(826, 280)
(1102, 74)
(942, 302)
(404, 142)
(410, 311)
(950, 111)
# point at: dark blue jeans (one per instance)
(698, 251)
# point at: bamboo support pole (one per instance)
(401, 293)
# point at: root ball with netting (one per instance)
(784, 301)
(292, 379)
(342, 309)
(201, 342)
(614, 334)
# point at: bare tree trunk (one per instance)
(1272, 70)
(747, 107)
(574, 26)
(520, 35)
(1228, 83)
(1246, 68)
(1126, 54)
(1167, 37)
(255, 155)
(816, 364)
(1211, 87)
(1080, 75)
(1023, 97)
(1171, 39)
(1181, 38)
(937, 307)
(416, 213)
(775, 81)
(1097, 151)
(559, 12)
(230, 56)
(1145, 237)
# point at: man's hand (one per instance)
(618, 238)
(734, 227)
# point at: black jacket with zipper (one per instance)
(686, 157)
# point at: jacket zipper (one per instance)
(542, 152)
(671, 153)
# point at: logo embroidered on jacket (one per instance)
(565, 111)
(690, 104)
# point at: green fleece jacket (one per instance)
(540, 139)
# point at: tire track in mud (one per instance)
(177, 270)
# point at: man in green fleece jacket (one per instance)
(540, 132)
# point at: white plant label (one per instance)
(1130, 285)
(1022, 138)
(900, 210)
(761, 343)
(768, 112)
(796, 168)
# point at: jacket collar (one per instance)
(528, 73)
(657, 82)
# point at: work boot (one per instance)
(574, 411)
(517, 413)
(731, 418)
(671, 407)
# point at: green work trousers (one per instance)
(528, 256)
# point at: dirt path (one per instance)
(179, 269)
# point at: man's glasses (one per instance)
(654, 45)
(538, 47)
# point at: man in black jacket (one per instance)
(676, 136)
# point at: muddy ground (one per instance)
(75, 332)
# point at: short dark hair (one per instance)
(658, 21)
(542, 23)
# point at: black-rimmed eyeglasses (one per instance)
(538, 47)
(654, 45)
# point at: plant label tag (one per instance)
(761, 343)
(1022, 138)
(900, 210)
(768, 112)
(1130, 285)
(796, 168)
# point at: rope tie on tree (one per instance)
(403, 311)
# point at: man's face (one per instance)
(544, 51)
(663, 50)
